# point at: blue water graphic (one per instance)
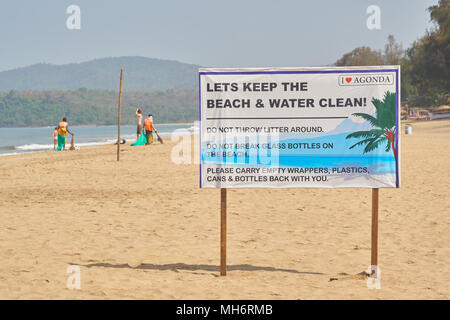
(333, 152)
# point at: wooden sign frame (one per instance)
(223, 231)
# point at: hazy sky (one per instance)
(226, 33)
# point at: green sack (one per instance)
(141, 141)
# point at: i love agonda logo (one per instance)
(366, 79)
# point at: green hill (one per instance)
(83, 106)
(140, 74)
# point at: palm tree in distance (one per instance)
(383, 123)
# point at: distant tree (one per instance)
(361, 56)
(408, 89)
(365, 56)
(429, 57)
(43, 108)
(425, 65)
(393, 52)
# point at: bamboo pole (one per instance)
(118, 116)
(223, 231)
(374, 247)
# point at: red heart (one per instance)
(348, 80)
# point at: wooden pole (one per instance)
(223, 231)
(374, 249)
(118, 116)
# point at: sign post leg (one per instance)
(374, 248)
(118, 116)
(223, 231)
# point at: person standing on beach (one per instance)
(63, 128)
(55, 138)
(139, 122)
(148, 124)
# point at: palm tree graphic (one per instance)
(383, 123)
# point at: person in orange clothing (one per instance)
(63, 128)
(148, 125)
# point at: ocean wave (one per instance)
(38, 147)
(194, 128)
(31, 147)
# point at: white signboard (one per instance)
(300, 127)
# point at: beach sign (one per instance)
(300, 127)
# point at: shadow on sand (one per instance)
(197, 267)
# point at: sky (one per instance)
(210, 33)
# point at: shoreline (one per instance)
(110, 141)
(103, 136)
(102, 125)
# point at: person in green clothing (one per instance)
(63, 128)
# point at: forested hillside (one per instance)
(83, 106)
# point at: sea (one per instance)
(27, 140)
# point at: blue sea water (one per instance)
(23, 140)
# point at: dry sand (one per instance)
(142, 228)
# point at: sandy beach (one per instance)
(142, 229)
